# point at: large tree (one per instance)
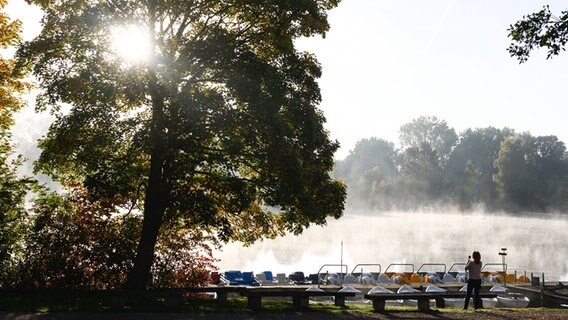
(367, 155)
(430, 130)
(541, 29)
(531, 171)
(218, 129)
(422, 174)
(470, 167)
(369, 170)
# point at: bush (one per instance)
(77, 243)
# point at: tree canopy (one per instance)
(495, 169)
(431, 131)
(218, 130)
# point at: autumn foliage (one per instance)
(78, 243)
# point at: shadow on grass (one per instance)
(205, 307)
(56, 301)
(43, 302)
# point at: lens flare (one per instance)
(131, 43)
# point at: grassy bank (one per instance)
(93, 305)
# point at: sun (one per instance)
(131, 43)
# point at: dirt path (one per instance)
(490, 314)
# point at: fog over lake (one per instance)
(533, 244)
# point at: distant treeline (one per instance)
(495, 169)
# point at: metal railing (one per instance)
(432, 264)
(400, 264)
(366, 265)
(503, 265)
(333, 265)
(457, 264)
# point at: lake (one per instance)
(533, 244)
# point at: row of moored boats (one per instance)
(383, 283)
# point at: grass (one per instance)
(52, 302)
(102, 302)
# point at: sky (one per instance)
(388, 62)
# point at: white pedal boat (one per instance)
(513, 300)
(509, 300)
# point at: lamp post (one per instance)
(503, 253)
(341, 265)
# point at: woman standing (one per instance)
(474, 282)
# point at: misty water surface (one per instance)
(533, 244)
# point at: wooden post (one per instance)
(222, 298)
(423, 304)
(340, 300)
(254, 302)
(300, 302)
(379, 305)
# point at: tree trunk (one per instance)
(154, 207)
(156, 194)
(140, 275)
(154, 203)
(155, 198)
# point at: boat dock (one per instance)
(364, 277)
